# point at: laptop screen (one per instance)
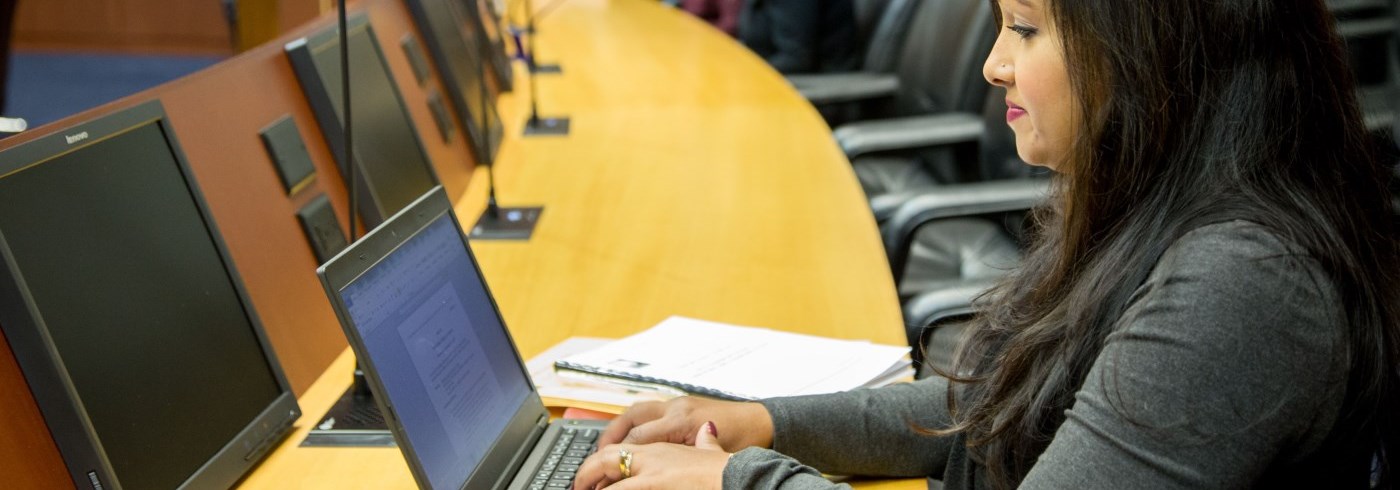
(440, 349)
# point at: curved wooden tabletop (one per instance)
(695, 182)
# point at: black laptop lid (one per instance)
(424, 326)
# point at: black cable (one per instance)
(345, 103)
(485, 118)
(531, 62)
(360, 387)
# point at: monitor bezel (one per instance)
(300, 53)
(30, 341)
(342, 271)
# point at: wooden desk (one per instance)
(695, 182)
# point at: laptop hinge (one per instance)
(518, 460)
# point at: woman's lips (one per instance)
(1013, 112)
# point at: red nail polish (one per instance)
(712, 429)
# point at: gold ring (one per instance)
(625, 462)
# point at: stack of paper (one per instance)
(738, 363)
(589, 392)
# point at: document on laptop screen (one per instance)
(440, 351)
(452, 366)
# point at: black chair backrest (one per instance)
(886, 36)
(868, 13)
(940, 66)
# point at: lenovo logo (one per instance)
(77, 137)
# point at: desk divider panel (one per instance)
(217, 114)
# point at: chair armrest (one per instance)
(925, 314)
(955, 201)
(909, 132)
(1361, 28)
(1376, 108)
(833, 88)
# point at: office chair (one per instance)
(947, 243)
(933, 124)
(839, 96)
(926, 51)
(1369, 29)
(868, 14)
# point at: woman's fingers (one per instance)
(621, 426)
(603, 468)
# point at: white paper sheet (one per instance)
(744, 362)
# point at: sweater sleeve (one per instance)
(862, 432)
(1229, 361)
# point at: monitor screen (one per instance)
(440, 350)
(457, 42)
(393, 167)
(126, 278)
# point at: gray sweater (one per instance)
(1227, 370)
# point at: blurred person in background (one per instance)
(723, 14)
(802, 36)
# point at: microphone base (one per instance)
(507, 224)
(547, 69)
(547, 126)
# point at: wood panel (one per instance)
(258, 23)
(293, 13)
(28, 456)
(176, 26)
(258, 220)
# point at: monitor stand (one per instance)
(354, 421)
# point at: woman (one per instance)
(1211, 302)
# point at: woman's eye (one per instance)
(1023, 31)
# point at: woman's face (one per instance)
(1029, 62)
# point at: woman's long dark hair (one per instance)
(1190, 112)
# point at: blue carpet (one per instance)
(45, 87)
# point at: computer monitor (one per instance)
(500, 61)
(456, 40)
(126, 314)
(392, 166)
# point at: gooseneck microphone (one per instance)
(498, 222)
(349, 132)
(537, 125)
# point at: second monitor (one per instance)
(456, 39)
(392, 167)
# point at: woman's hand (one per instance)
(656, 465)
(679, 420)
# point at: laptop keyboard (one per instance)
(568, 452)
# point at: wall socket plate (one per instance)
(322, 229)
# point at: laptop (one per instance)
(441, 364)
